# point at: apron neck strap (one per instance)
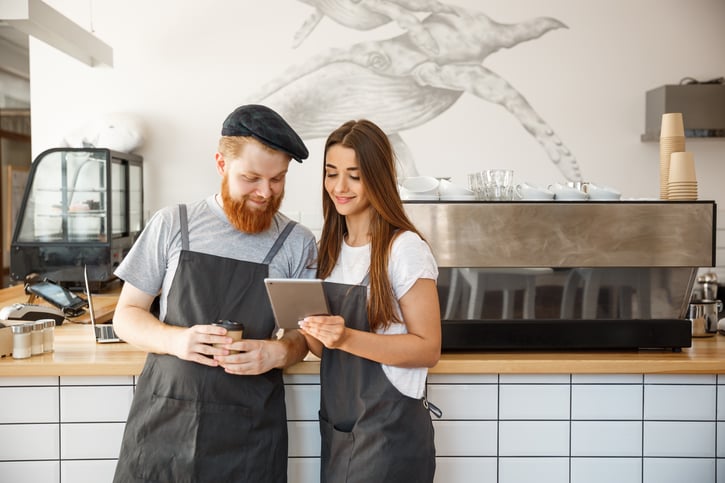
(184, 227)
(279, 241)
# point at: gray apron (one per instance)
(194, 423)
(370, 431)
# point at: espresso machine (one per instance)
(567, 275)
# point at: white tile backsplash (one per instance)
(29, 442)
(304, 438)
(606, 438)
(606, 470)
(534, 438)
(88, 471)
(91, 440)
(530, 401)
(29, 381)
(462, 379)
(607, 379)
(679, 470)
(303, 470)
(606, 402)
(465, 470)
(529, 470)
(303, 402)
(301, 379)
(30, 471)
(680, 378)
(96, 380)
(535, 378)
(464, 401)
(465, 438)
(688, 439)
(28, 404)
(687, 403)
(95, 404)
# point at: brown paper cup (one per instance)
(672, 125)
(682, 167)
(668, 145)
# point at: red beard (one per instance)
(245, 219)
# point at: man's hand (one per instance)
(260, 356)
(195, 344)
(255, 357)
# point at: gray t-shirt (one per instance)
(151, 263)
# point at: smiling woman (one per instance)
(384, 327)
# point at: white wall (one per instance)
(183, 66)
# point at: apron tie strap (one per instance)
(434, 410)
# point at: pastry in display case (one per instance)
(82, 206)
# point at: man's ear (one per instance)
(221, 164)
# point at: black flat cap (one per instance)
(266, 126)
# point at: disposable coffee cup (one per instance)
(235, 330)
(672, 125)
(682, 167)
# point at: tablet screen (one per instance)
(293, 299)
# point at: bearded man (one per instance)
(201, 410)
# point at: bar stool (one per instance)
(625, 286)
(481, 280)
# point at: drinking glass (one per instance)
(498, 184)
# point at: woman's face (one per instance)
(342, 181)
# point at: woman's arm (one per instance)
(420, 347)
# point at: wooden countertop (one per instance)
(77, 354)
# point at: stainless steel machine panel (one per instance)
(568, 234)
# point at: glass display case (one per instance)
(82, 206)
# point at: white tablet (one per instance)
(293, 299)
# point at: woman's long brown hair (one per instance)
(375, 156)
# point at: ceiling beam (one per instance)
(41, 21)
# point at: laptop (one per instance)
(104, 332)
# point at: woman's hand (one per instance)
(328, 329)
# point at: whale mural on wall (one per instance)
(405, 81)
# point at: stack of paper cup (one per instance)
(682, 183)
(672, 139)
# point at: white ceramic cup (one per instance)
(529, 191)
(420, 185)
(567, 193)
(446, 188)
(602, 192)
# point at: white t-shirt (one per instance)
(410, 259)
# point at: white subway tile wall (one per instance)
(465, 470)
(606, 470)
(607, 401)
(506, 428)
(680, 470)
(606, 438)
(30, 471)
(88, 471)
